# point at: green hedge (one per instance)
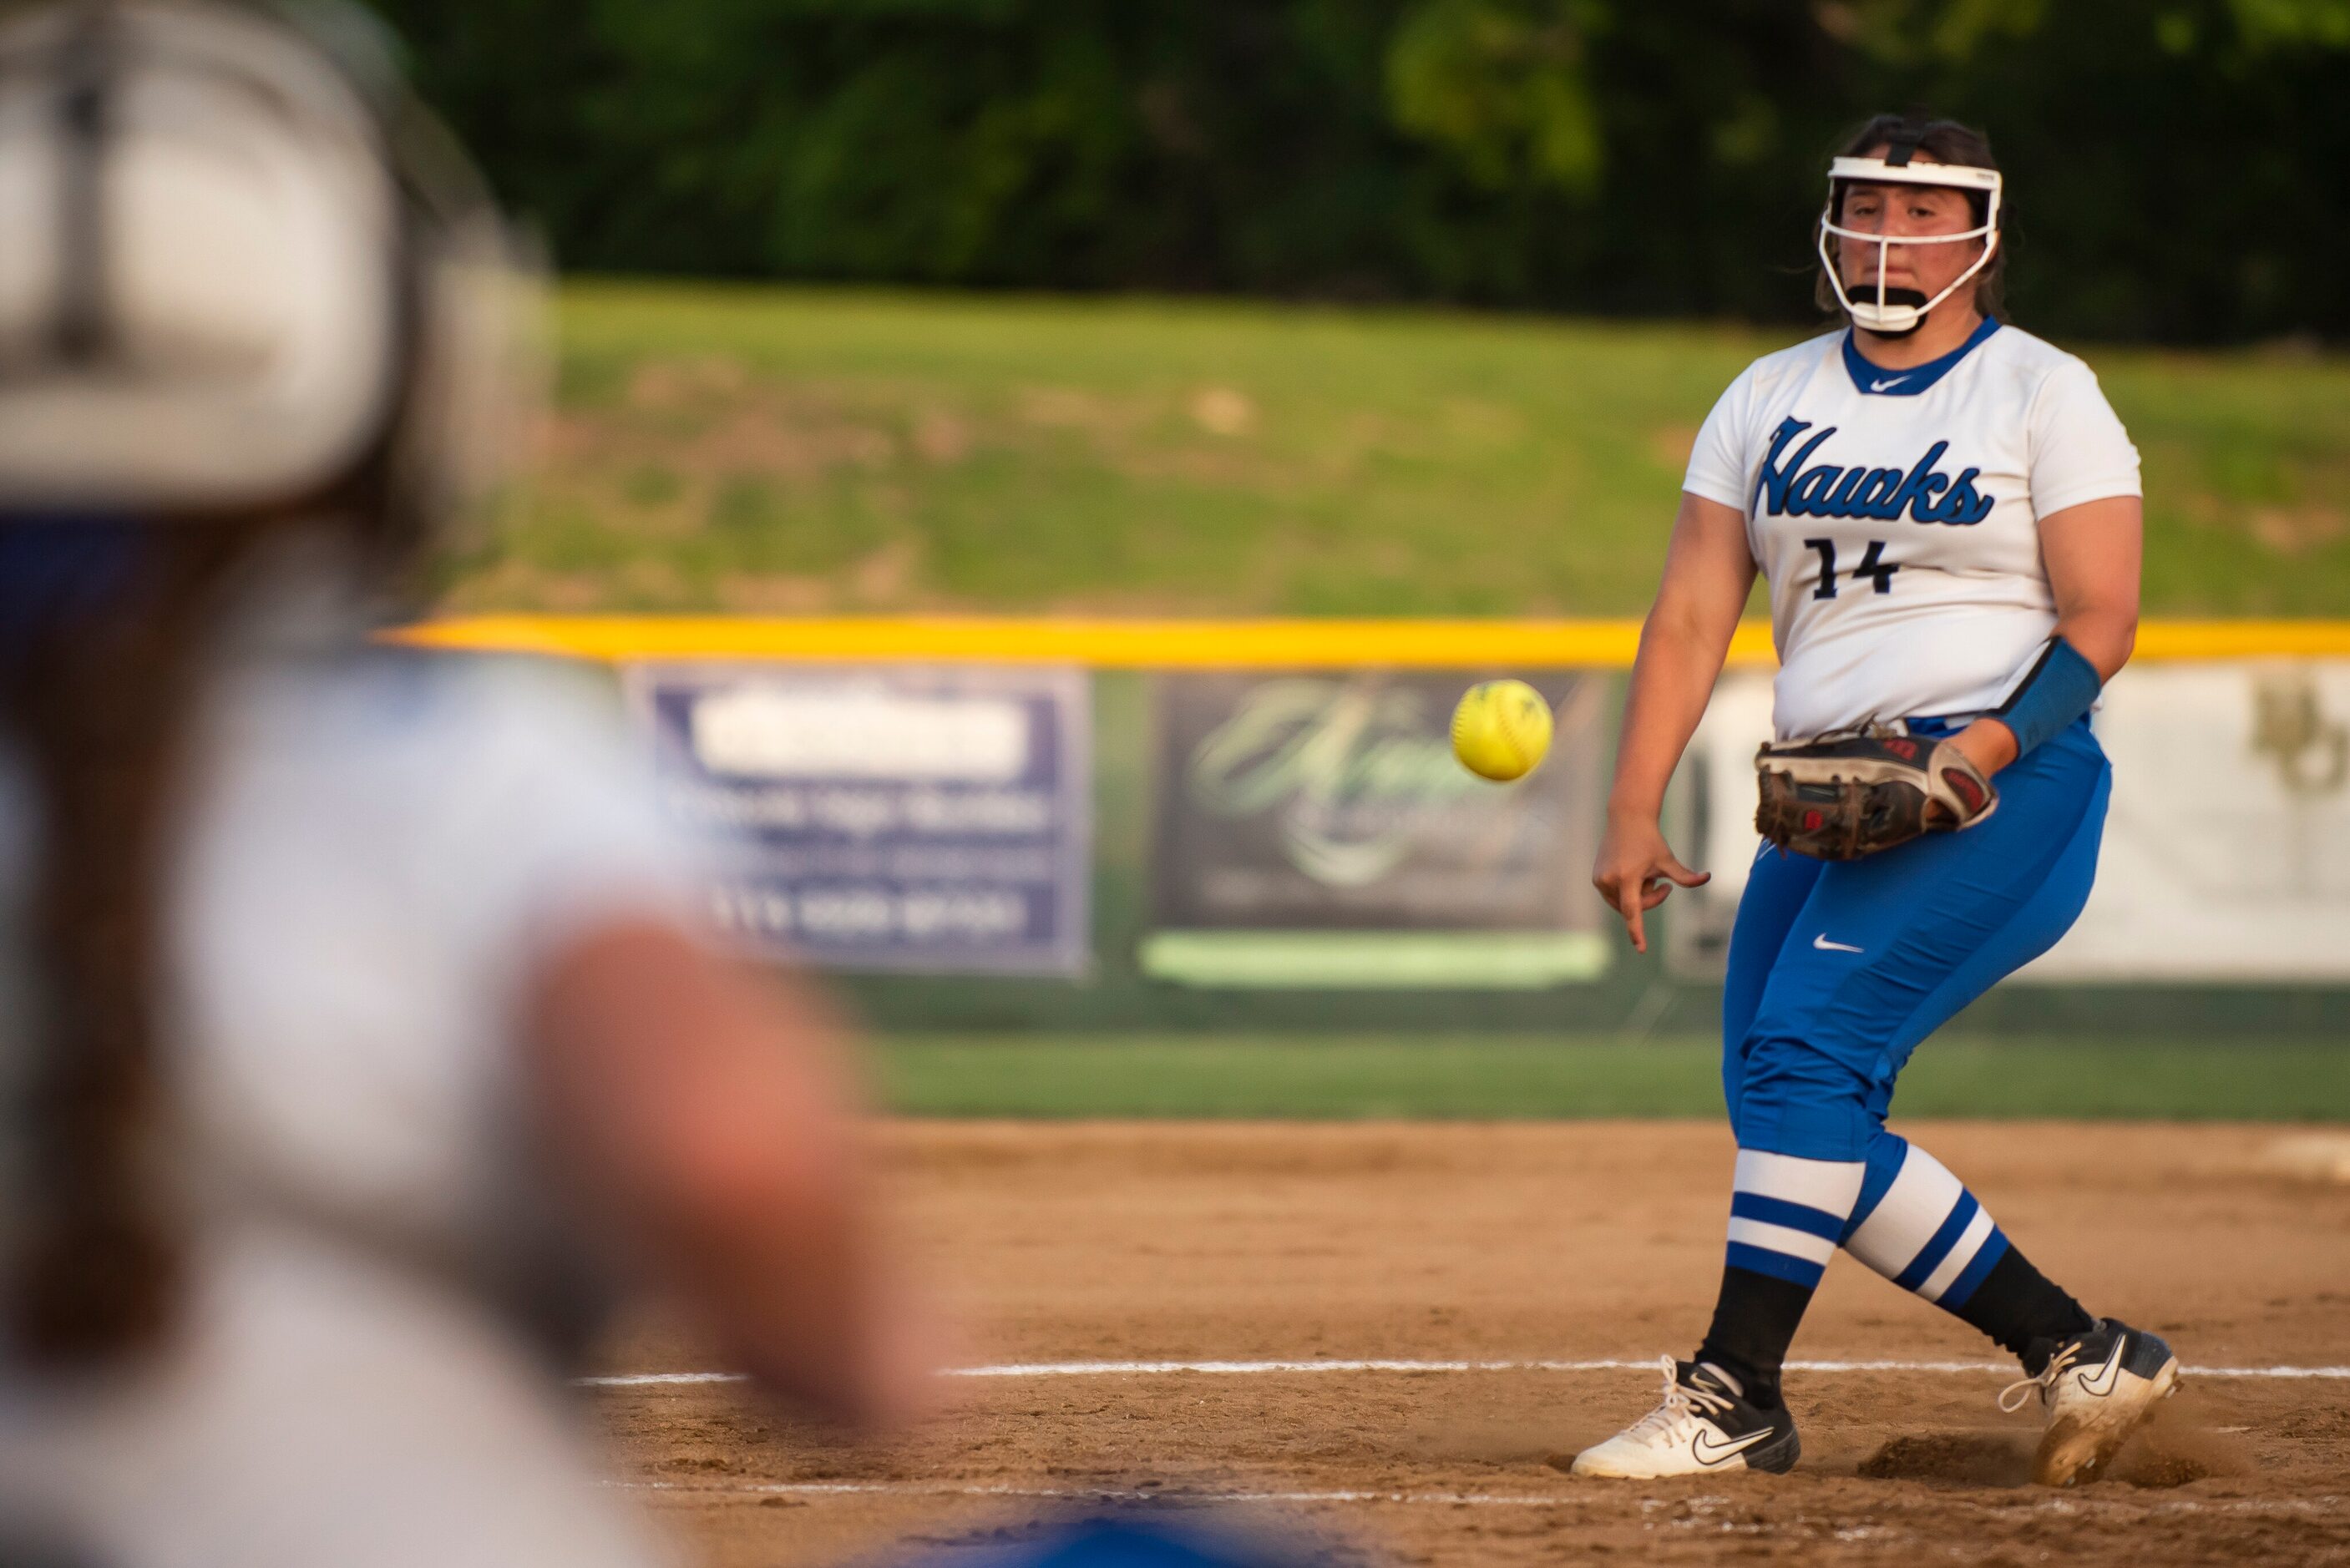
(2178, 163)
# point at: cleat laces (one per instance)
(1681, 1403)
(2012, 1397)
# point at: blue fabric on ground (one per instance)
(1136, 1542)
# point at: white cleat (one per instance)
(1704, 1427)
(2099, 1387)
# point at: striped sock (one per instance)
(1918, 1226)
(1786, 1215)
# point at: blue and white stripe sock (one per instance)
(1917, 1225)
(1787, 1215)
(1902, 1213)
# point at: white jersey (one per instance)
(1896, 514)
(376, 853)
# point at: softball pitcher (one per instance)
(1948, 514)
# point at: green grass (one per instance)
(800, 450)
(1352, 1076)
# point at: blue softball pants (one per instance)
(1837, 970)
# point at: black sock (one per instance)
(1754, 1322)
(2016, 1304)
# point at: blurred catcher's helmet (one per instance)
(1873, 311)
(242, 273)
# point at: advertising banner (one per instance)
(2226, 846)
(1314, 829)
(932, 818)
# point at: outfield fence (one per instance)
(1089, 825)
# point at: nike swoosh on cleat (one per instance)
(1716, 1453)
(1826, 945)
(2102, 1381)
(1880, 386)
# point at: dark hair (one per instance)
(97, 677)
(104, 670)
(1944, 141)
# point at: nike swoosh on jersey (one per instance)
(1716, 1453)
(2102, 1381)
(1880, 386)
(1826, 945)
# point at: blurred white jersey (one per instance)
(1896, 514)
(376, 852)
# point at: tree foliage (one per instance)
(2177, 166)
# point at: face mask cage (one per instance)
(1877, 313)
(243, 272)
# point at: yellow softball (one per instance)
(1502, 730)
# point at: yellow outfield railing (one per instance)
(1213, 644)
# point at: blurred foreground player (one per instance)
(1948, 514)
(346, 997)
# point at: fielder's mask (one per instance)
(1874, 310)
(242, 274)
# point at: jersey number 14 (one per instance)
(1873, 566)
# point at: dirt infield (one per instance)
(1550, 1242)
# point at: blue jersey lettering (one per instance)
(1789, 489)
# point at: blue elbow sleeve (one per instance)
(2058, 689)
